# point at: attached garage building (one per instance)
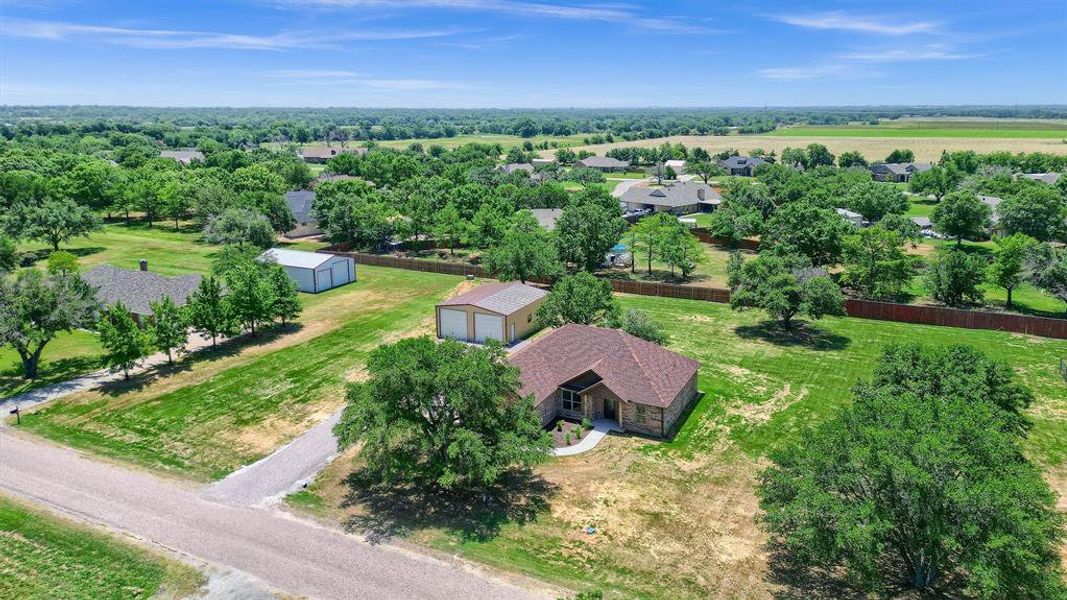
(313, 272)
(498, 311)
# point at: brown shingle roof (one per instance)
(501, 298)
(635, 370)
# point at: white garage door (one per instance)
(340, 272)
(488, 327)
(453, 324)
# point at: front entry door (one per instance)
(609, 409)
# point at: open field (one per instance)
(675, 519)
(168, 252)
(217, 411)
(874, 148)
(44, 557)
(937, 128)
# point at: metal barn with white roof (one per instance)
(313, 272)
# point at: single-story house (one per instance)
(924, 223)
(547, 217)
(897, 172)
(512, 167)
(682, 198)
(852, 217)
(313, 272)
(542, 162)
(678, 166)
(1049, 178)
(185, 156)
(138, 289)
(992, 202)
(743, 166)
(606, 164)
(300, 204)
(497, 311)
(320, 155)
(581, 371)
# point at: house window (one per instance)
(570, 401)
(639, 413)
(529, 317)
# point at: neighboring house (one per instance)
(512, 167)
(743, 166)
(682, 198)
(497, 311)
(1049, 178)
(992, 202)
(581, 371)
(897, 172)
(603, 163)
(313, 272)
(543, 162)
(300, 203)
(185, 156)
(138, 289)
(320, 155)
(852, 217)
(677, 165)
(547, 217)
(924, 223)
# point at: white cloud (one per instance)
(921, 54)
(612, 13)
(839, 21)
(184, 39)
(810, 72)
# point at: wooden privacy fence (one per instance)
(951, 317)
(705, 236)
(864, 309)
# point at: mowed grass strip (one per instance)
(45, 557)
(226, 418)
(676, 519)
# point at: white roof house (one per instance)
(852, 217)
(313, 272)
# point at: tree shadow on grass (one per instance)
(225, 349)
(796, 580)
(398, 509)
(802, 334)
(13, 382)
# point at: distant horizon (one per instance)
(1050, 105)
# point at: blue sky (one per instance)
(519, 53)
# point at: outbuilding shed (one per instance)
(313, 272)
(497, 311)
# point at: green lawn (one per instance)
(168, 252)
(675, 519)
(920, 207)
(920, 130)
(45, 557)
(65, 357)
(204, 426)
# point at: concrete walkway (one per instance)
(601, 427)
(92, 380)
(285, 471)
(624, 185)
(293, 555)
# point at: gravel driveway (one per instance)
(290, 554)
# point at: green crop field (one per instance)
(45, 557)
(220, 412)
(676, 519)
